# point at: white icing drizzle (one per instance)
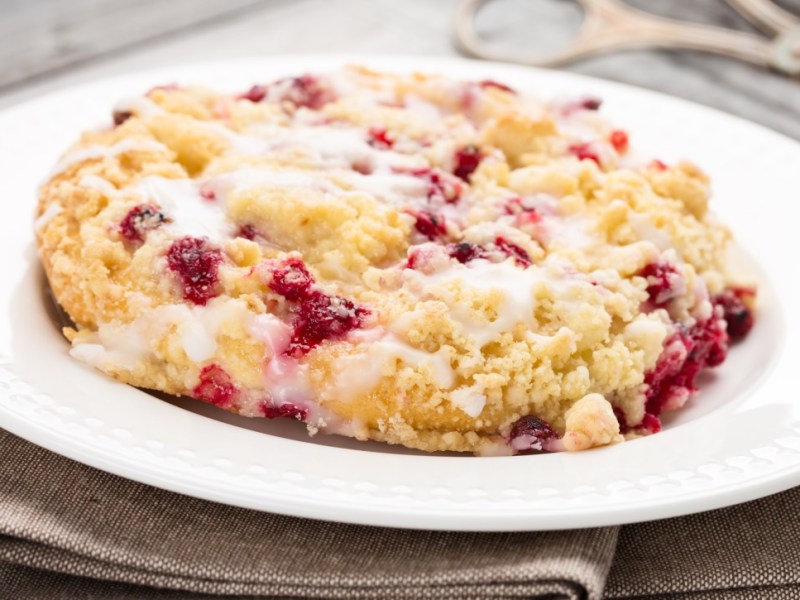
(581, 125)
(285, 378)
(274, 333)
(332, 147)
(469, 399)
(96, 151)
(90, 353)
(424, 111)
(337, 146)
(104, 186)
(646, 231)
(115, 345)
(516, 285)
(238, 143)
(486, 232)
(287, 382)
(228, 183)
(392, 348)
(195, 215)
(570, 231)
(53, 209)
(395, 188)
(141, 106)
(191, 213)
(359, 373)
(123, 345)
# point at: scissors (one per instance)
(610, 25)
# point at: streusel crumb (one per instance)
(442, 264)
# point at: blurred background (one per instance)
(51, 44)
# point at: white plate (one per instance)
(738, 440)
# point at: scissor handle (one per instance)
(610, 25)
(766, 15)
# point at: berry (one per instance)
(413, 260)
(524, 213)
(664, 282)
(430, 225)
(590, 103)
(317, 316)
(490, 83)
(467, 160)
(517, 205)
(247, 231)
(619, 139)
(197, 264)
(651, 423)
(292, 280)
(215, 387)
(585, 151)
(139, 220)
(668, 378)
(442, 187)
(364, 167)
(423, 257)
(120, 116)
(306, 91)
(658, 165)
(286, 410)
(464, 252)
(711, 343)
(322, 317)
(530, 433)
(255, 94)
(208, 192)
(737, 315)
(519, 255)
(623, 422)
(686, 353)
(569, 107)
(378, 137)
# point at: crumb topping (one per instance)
(448, 265)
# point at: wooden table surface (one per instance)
(52, 44)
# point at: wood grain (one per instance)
(38, 37)
(48, 44)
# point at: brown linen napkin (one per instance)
(746, 551)
(70, 531)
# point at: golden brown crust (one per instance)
(438, 364)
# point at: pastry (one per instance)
(446, 265)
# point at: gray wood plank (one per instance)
(38, 37)
(425, 27)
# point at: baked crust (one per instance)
(408, 259)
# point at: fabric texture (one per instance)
(67, 530)
(747, 551)
(71, 531)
